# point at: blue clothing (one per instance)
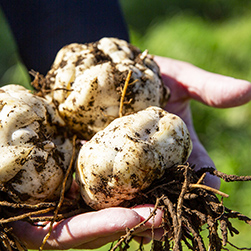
(42, 27)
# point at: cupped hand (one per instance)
(187, 82)
(94, 229)
(90, 230)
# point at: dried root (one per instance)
(187, 206)
(187, 203)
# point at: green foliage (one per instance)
(142, 13)
(12, 70)
(221, 48)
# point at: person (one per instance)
(41, 28)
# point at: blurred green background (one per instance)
(212, 34)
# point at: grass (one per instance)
(219, 44)
(11, 68)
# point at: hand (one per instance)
(189, 82)
(93, 229)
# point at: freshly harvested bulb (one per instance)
(129, 154)
(86, 81)
(33, 156)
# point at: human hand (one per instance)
(188, 82)
(93, 229)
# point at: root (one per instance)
(189, 207)
(223, 176)
(193, 186)
(127, 237)
(123, 93)
(61, 199)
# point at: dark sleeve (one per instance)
(43, 27)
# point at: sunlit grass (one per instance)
(219, 47)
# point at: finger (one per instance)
(32, 237)
(210, 88)
(91, 226)
(145, 231)
(79, 229)
(95, 228)
(145, 211)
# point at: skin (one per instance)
(188, 82)
(94, 229)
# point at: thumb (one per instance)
(209, 88)
(216, 90)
